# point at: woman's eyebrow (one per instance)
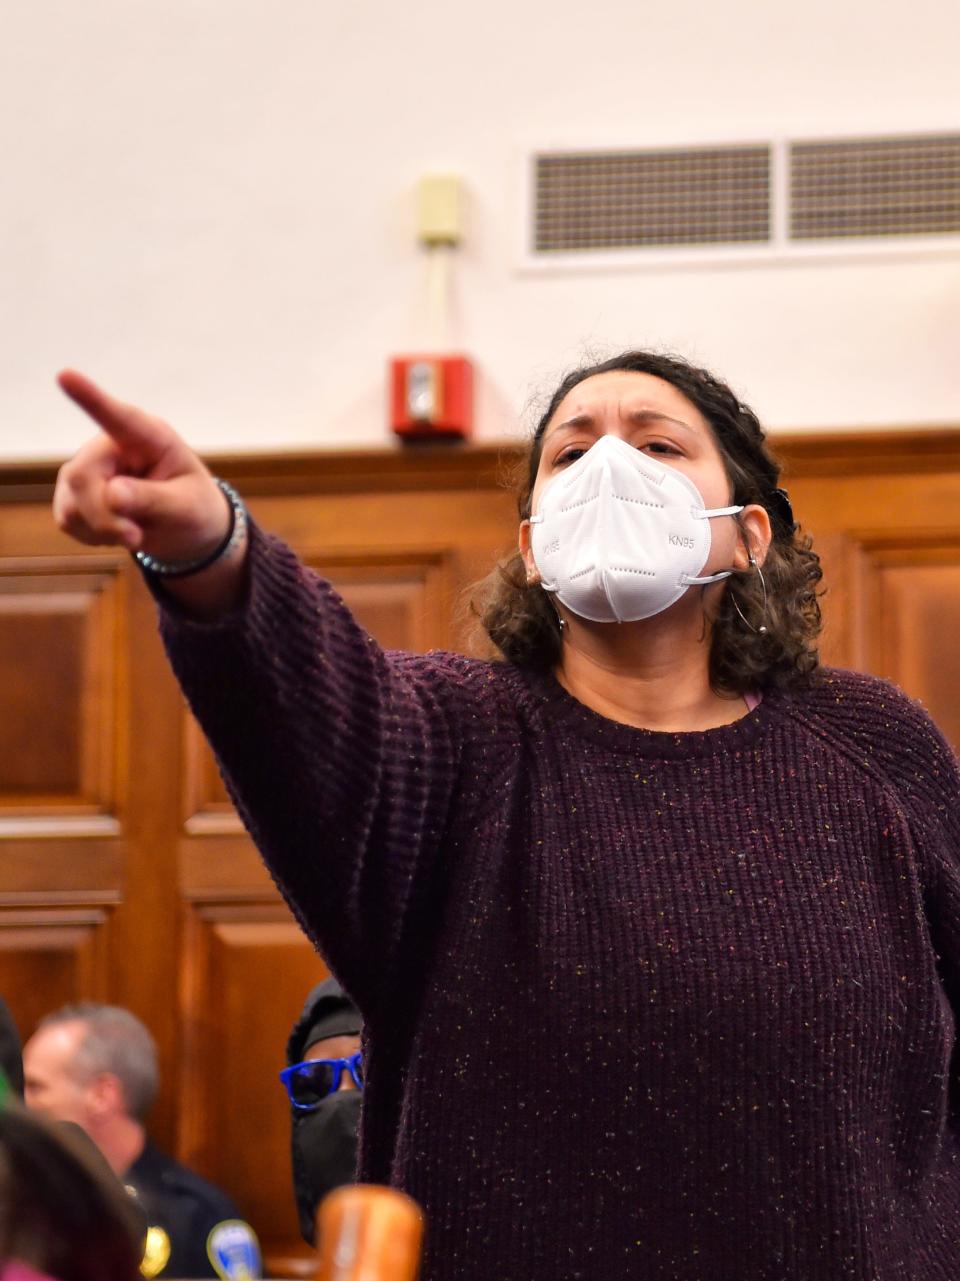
(582, 419)
(648, 415)
(639, 416)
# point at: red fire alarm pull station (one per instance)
(431, 397)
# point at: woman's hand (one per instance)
(137, 483)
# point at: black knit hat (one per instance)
(328, 1011)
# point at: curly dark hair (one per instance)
(522, 623)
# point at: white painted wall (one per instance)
(208, 204)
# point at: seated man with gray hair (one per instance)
(96, 1065)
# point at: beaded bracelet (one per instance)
(231, 539)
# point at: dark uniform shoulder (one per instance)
(181, 1179)
(183, 1210)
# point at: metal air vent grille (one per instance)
(654, 198)
(905, 186)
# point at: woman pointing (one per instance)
(654, 923)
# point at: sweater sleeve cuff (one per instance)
(267, 563)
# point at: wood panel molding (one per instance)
(58, 864)
(909, 614)
(859, 452)
(413, 468)
(50, 956)
(58, 646)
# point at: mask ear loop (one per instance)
(761, 630)
(532, 581)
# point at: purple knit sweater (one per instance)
(671, 1007)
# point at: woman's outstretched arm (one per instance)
(343, 761)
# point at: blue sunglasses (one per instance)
(309, 1083)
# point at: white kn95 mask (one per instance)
(619, 536)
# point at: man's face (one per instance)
(325, 1139)
(49, 1083)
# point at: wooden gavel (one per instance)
(368, 1233)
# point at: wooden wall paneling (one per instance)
(247, 971)
(60, 859)
(206, 809)
(88, 812)
(913, 620)
(59, 620)
(63, 866)
(49, 956)
(146, 938)
(468, 528)
(866, 455)
(886, 530)
(223, 867)
(401, 599)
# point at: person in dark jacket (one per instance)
(95, 1065)
(323, 1079)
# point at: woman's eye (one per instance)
(569, 455)
(661, 447)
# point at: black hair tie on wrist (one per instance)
(181, 569)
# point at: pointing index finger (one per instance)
(142, 437)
